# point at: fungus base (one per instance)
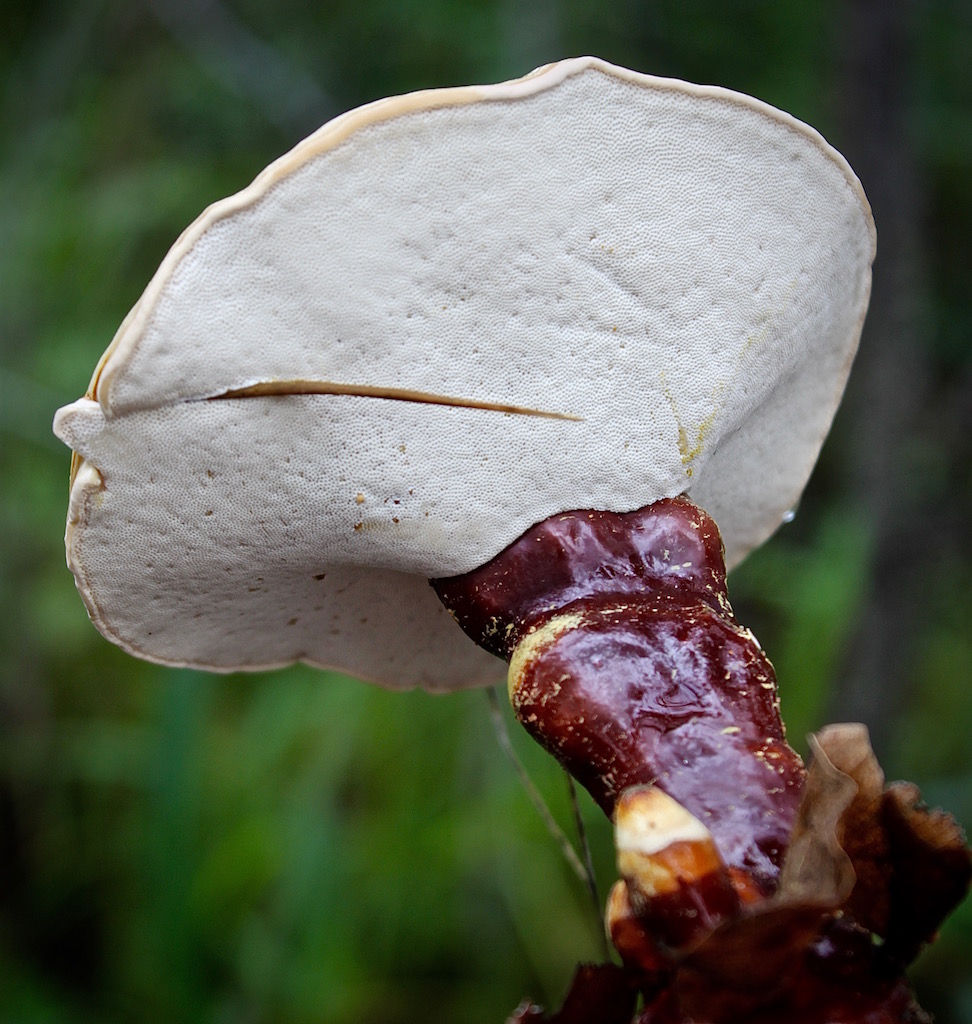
(750, 889)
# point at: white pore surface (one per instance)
(683, 268)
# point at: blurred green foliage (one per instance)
(300, 847)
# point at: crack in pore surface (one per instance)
(323, 387)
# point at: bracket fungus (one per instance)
(413, 349)
(323, 397)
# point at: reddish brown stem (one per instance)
(628, 665)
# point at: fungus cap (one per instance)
(438, 320)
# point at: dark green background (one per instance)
(299, 847)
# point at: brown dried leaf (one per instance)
(932, 868)
(817, 871)
(860, 830)
(893, 865)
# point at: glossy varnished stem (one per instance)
(628, 665)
